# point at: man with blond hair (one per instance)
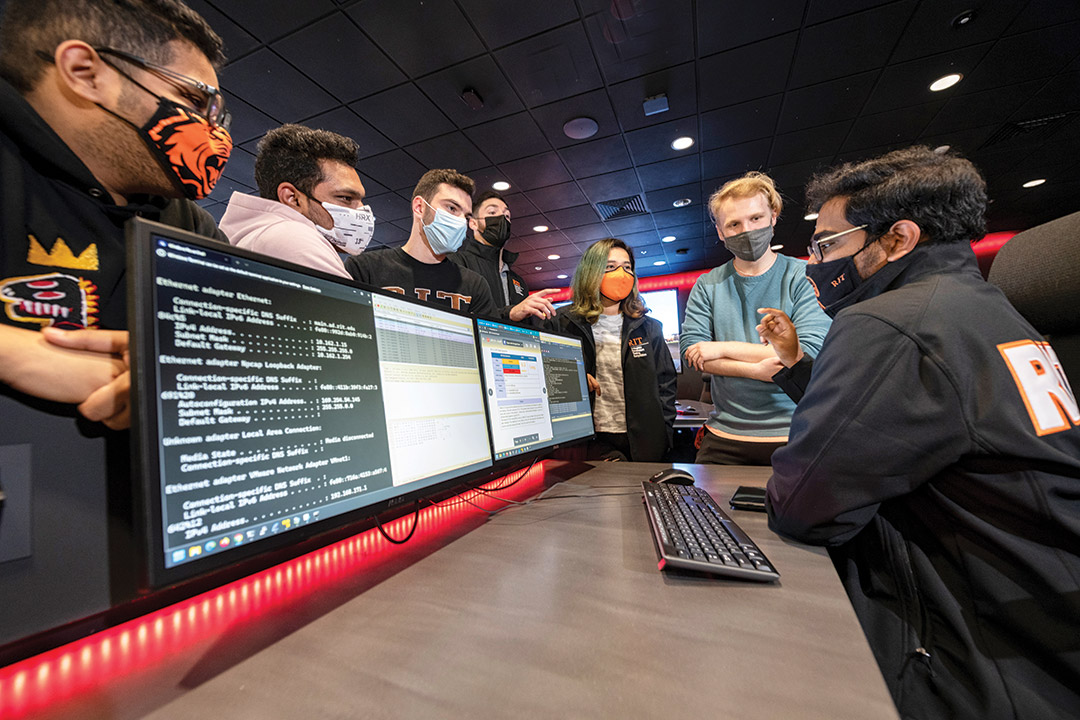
(752, 413)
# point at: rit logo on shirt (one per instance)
(1042, 384)
(457, 300)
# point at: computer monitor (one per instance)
(275, 402)
(664, 306)
(535, 386)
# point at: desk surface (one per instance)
(553, 609)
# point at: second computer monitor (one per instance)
(535, 386)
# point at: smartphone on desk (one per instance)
(748, 498)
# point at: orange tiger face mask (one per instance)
(191, 151)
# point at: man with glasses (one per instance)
(718, 333)
(311, 205)
(107, 111)
(936, 450)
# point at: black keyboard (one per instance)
(693, 533)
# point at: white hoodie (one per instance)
(275, 229)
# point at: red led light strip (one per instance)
(90, 663)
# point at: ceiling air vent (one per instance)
(623, 207)
(1029, 130)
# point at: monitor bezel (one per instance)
(145, 451)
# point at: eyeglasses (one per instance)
(207, 101)
(818, 246)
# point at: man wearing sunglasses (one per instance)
(107, 111)
(936, 450)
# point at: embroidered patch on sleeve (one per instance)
(1042, 384)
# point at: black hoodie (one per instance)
(61, 235)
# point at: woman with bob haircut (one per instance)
(631, 374)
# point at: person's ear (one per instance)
(83, 72)
(287, 194)
(418, 207)
(901, 239)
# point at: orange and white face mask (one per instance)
(617, 284)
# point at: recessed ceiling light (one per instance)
(554, 257)
(1034, 183)
(561, 277)
(538, 267)
(776, 247)
(682, 202)
(668, 238)
(658, 263)
(810, 216)
(682, 143)
(942, 149)
(500, 185)
(944, 83)
(540, 228)
(580, 128)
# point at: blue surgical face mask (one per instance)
(445, 232)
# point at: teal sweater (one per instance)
(723, 306)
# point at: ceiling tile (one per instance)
(909, 83)
(594, 105)
(902, 125)
(677, 83)
(403, 114)
(345, 122)
(748, 72)
(452, 151)
(824, 10)
(389, 206)
(394, 170)
(642, 38)
(982, 108)
(1059, 94)
(653, 144)
(740, 123)
(317, 51)
(826, 102)
(551, 66)
(542, 241)
(248, 122)
(670, 173)
(849, 45)
(241, 166)
(389, 235)
(811, 143)
(225, 187)
(610, 186)
(509, 138)
(597, 157)
(270, 19)
(238, 41)
(587, 234)
(420, 37)
(931, 29)
(663, 200)
(536, 171)
(259, 77)
(753, 22)
(573, 216)
(676, 217)
(481, 75)
(501, 23)
(556, 197)
(627, 225)
(1031, 55)
(1044, 13)
(519, 205)
(735, 159)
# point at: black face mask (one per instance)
(496, 230)
(834, 282)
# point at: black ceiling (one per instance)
(786, 86)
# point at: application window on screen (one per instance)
(431, 390)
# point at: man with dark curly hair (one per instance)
(935, 451)
(311, 205)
